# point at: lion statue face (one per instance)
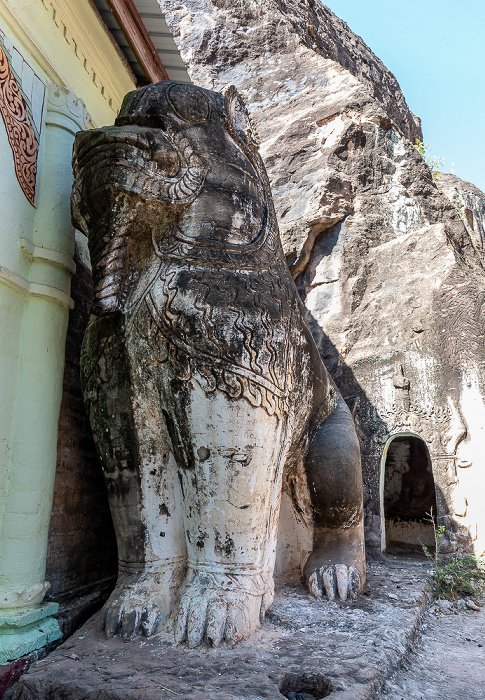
(165, 142)
(178, 158)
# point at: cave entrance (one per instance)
(407, 495)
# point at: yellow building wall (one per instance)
(71, 47)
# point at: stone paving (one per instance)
(306, 649)
(449, 661)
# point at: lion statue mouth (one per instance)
(136, 160)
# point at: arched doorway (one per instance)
(407, 495)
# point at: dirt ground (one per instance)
(447, 662)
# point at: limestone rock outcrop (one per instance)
(389, 269)
(313, 88)
(470, 203)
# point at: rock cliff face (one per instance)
(315, 91)
(470, 202)
(388, 266)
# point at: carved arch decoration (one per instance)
(442, 427)
(20, 132)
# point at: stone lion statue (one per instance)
(206, 393)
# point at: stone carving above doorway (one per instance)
(442, 427)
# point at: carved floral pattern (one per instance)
(20, 133)
(441, 427)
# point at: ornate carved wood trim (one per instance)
(20, 132)
(131, 24)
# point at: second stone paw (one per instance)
(335, 580)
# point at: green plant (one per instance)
(434, 163)
(463, 576)
(439, 531)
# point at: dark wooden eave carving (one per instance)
(135, 32)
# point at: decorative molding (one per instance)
(62, 101)
(15, 618)
(30, 85)
(84, 48)
(35, 252)
(138, 38)
(14, 280)
(20, 132)
(434, 424)
(22, 30)
(437, 414)
(34, 288)
(25, 629)
(25, 597)
(71, 46)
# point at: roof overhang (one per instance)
(139, 29)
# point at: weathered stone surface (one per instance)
(205, 389)
(391, 276)
(345, 649)
(470, 202)
(81, 554)
(448, 662)
(218, 35)
(315, 92)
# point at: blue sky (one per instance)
(436, 50)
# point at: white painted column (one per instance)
(36, 391)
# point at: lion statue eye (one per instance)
(189, 103)
(167, 159)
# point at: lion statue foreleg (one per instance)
(230, 462)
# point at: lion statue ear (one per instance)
(237, 119)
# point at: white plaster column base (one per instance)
(31, 596)
(23, 631)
